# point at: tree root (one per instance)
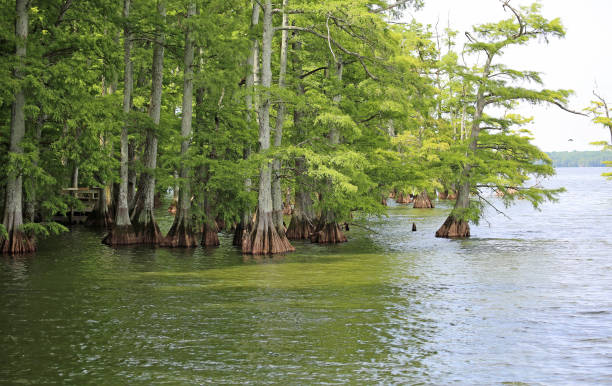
(454, 228)
(17, 243)
(264, 239)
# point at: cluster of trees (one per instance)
(578, 158)
(246, 108)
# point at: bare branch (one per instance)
(312, 72)
(522, 25)
(491, 205)
(568, 110)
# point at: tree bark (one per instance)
(31, 205)
(181, 233)
(17, 241)
(210, 230)
(122, 232)
(328, 231)
(277, 194)
(264, 239)
(455, 226)
(244, 227)
(301, 225)
(422, 201)
(143, 216)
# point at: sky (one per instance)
(581, 61)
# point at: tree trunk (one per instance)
(17, 241)
(403, 198)
(277, 194)
(264, 239)
(31, 205)
(328, 230)
(455, 225)
(143, 216)
(100, 217)
(132, 177)
(210, 230)
(122, 232)
(181, 233)
(422, 201)
(244, 227)
(301, 225)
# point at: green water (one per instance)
(523, 301)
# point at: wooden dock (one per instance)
(88, 198)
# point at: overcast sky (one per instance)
(577, 62)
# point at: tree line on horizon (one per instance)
(248, 109)
(579, 158)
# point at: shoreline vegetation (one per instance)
(248, 113)
(562, 159)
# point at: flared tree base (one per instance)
(99, 220)
(330, 233)
(240, 233)
(264, 239)
(422, 201)
(17, 243)
(299, 228)
(210, 235)
(403, 198)
(180, 235)
(149, 234)
(121, 235)
(454, 228)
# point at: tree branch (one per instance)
(359, 57)
(312, 72)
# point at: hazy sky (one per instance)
(577, 62)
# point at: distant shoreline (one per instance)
(579, 158)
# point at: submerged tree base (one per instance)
(149, 234)
(264, 239)
(454, 228)
(99, 220)
(422, 201)
(403, 198)
(240, 233)
(121, 235)
(329, 233)
(299, 228)
(17, 243)
(210, 235)
(181, 235)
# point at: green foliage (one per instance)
(43, 229)
(403, 108)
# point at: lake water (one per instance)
(527, 299)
